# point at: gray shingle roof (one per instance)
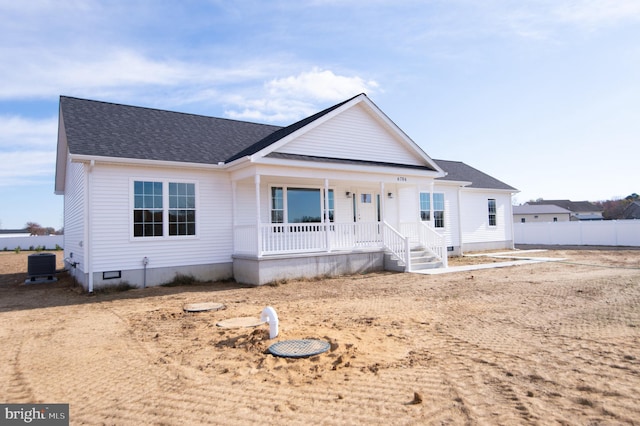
(632, 211)
(539, 209)
(574, 206)
(459, 171)
(113, 130)
(104, 129)
(345, 161)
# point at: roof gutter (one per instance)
(81, 158)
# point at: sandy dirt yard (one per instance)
(546, 343)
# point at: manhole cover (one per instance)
(240, 322)
(299, 348)
(205, 306)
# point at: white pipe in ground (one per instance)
(269, 315)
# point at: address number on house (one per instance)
(401, 179)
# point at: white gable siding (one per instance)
(354, 134)
(74, 214)
(113, 246)
(475, 217)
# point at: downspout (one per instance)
(460, 219)
(89, 243)
(513, 237)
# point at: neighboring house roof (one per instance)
(13, 231)
(632, 211)
(540, 209)
(573, 206)
(460, 172)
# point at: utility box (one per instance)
(41, 265)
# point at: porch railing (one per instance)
(398, 245)
(423, 235)
(281, 238)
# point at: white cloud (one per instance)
(321, 85)
(27, 150)
(290, 98)
(26, 167)
(598, 12)
(23, 133)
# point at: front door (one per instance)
(366, 207)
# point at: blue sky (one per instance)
(543, 94)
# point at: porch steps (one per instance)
(420, 259)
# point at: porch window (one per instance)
(277, 205)
(438, 210)
(425, 206)
(301, 205)
(492, 211)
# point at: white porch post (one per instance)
(258, 219)
(234, 210)
(383, 202)
(325, 216)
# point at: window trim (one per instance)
(443, 219)
(165, 208)
(492, 214)
(285, 203)
(439, 217)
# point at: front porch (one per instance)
(279, 251)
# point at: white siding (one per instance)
(475, 217)
(451, 214)
(74, 214)
(245, 213)
(114, 247)
(353, 134)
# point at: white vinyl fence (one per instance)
(45, 242)
(588, 233)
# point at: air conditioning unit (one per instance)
(41, 265)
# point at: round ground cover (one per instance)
(204, 306)
(240, 322)
(299, 348)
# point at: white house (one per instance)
(150, 193)
(540, 213)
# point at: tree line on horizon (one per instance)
(614, 209)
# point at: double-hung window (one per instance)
(148, 214)
(491, 204)
(162, 208)
(438, 210)
(425, 206)
(182, 208)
